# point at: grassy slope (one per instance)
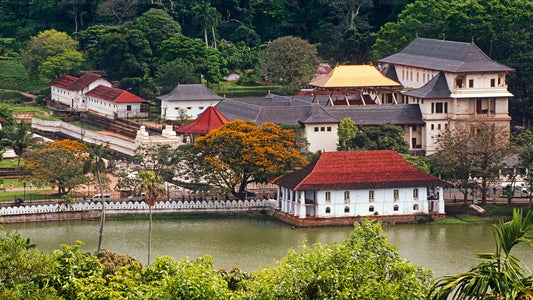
(13, 76)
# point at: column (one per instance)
(302, 204)
(441, 200)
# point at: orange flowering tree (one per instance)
(59, 163)
(240, 153)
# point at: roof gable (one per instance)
(348, 170)
(190, 92)
(114, 95)
(447, 56)
(354, 76)
(208, 120)
(436, 88)
(63, 82)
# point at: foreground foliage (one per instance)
(364, 266)
(500, 275)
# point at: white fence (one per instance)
(86, 135)
(141, 207)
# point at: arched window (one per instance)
(346, 209)
(371, 208)
(396, 208)
(415, 207)
(328, 210)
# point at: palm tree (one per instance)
(152, 185)
(500, 275)
(96, 165)
(21, 139)
(206, 16)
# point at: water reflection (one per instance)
(250, 242)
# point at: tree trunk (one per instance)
(102, 215)
(149, 233)
(483, 191)
(214, 37)
(205, 37)
(465, 197)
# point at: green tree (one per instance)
(290, 60)
(177, 71)
(52, 53)
(208, 18)
(346, 132)
(383, 137)
(500, 275)
(152, 185)
(240, 153)
(363, 266)
(95, 164)
(21, 139)
(58, 164)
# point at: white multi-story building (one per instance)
(451, 82)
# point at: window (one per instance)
(201, 107)
(346, 209)
(493, 82)
(316, 129)
(328, 210)
(322, 128)
(128, 107)
(371, 196)
(432, 126)
(459, 83)
(371, 209)
(346, 197)
(424, 77)
(189, 107)
(438, 107)
(396, 194)
(471, 83)
(415, 207)
(415, 194)
(395, 208)
(328, 128)
(417, 76)
(403, 74)
(328, 197)
(438, 126)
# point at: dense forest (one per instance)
(150, 45)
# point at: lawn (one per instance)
(13, 76)
(233, 90)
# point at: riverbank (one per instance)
(460, 214)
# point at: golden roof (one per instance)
(354, 76)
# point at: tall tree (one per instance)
(208, 18)
(52, 53)
(21, 139)
(95, 164)
(473, 149)
(383, 137)
(346, 132)
(290, 60)
(500, 275)
(240, 153)
(152, 185)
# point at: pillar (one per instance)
(441, 200)
(302, 205)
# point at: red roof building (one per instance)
(209, 120)
(358, 183)
(113, 94)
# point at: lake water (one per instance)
(252, 241)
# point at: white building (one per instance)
(359, 183)
(114, 103)
(68, 90)
(193, 99)
(451, 82)
(92, 93)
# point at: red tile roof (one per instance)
(210, 119)
(113, 94)
(63, 82)
(73, 83)
(358, 170)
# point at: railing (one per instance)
(133, 207)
